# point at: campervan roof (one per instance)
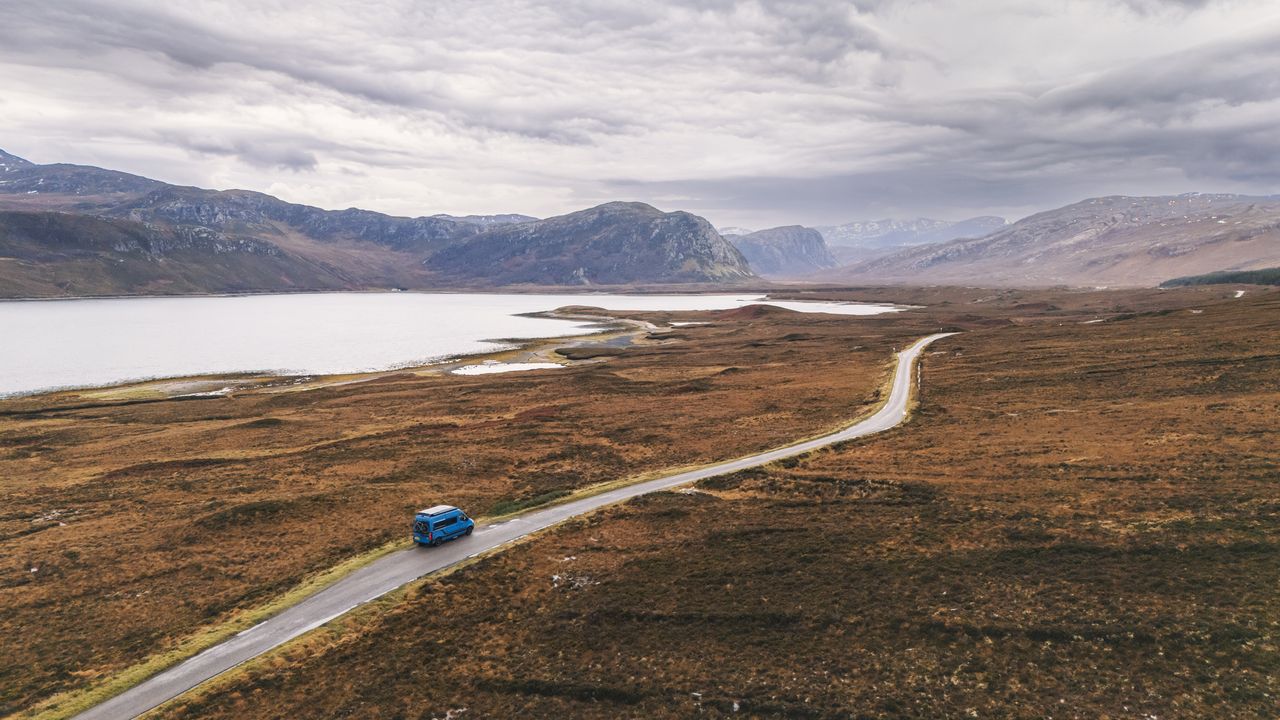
(438, 509)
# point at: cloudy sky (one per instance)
(750, 113)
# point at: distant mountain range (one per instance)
(897, 233)
(790, 251)
(487, 220)
(74, 230)
(859, 241)
(1106, 241)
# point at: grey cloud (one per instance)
(840, 198)
(1164, 112)
(262, 152)
(810, 43)
(1235, 72)
(784, 111)
(1158, 6)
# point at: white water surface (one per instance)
(53, 344)
(491, 368)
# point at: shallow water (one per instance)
(47, 345)
(500, 367)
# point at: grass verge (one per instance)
(69, 704)
(337, 628)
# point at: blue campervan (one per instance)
(442, 522)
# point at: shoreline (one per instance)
(605, 328)
(609, 329)
(512, 290)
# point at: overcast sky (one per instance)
(750, 113)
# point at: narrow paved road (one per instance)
(396, 569)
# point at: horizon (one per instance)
(717, 225)
(758, 114)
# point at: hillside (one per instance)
(890, 233)
(79, 230)
(1112, 241)
(58, 254)
(613, 243)
(784, 251)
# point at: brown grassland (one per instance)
(1080, 520)
(125, 528)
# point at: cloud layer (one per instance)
(752, 113)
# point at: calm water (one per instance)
(87, 343)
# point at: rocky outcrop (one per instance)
(789, 251)
(614, 243)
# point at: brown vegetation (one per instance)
(1081, 520)
(128, 525)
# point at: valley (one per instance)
(235, 500)
(80, 231)
(468, 360)
(1080, 520)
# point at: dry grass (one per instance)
(1081, 521)
(133, 532)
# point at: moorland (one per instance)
(1079, 520)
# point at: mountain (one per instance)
(107, 193)
(614, 243)
(74, 230)
(897, 233)
(850, 255)
(58, 253)
(69, 185)
(487, 220)
(247, 212)
(122, 234)
(12, 163)
(1111, 241)
(727, 231)
(787, 251)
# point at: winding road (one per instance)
(401, 567)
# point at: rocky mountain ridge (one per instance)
(614, 243)
(123, 234)
(789, 251)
